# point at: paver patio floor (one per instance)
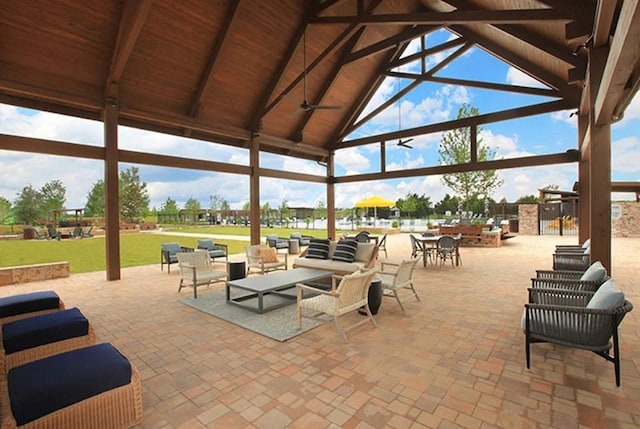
(455, 359)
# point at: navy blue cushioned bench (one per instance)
(40, 336)
(93, 386)
(29, 304)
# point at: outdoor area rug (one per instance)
(278, 324)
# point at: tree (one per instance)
(26, 207)
(455, 149)
(528, 199)
(283, 210)
(5, 208)
(216, 202)
(134, 197)
(246, 206)
(170, 207)
(448, 203)
(94, 207)
(407, 205)
(192, 207)
(321, 209)
(53, 197)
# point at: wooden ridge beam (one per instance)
(213, 63)
(450, 18)
(133, 18)
(519, 112)
(386, 44)
(496, 164)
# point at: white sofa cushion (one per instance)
(364, 252)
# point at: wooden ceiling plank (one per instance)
(268, 93)
(328, 83)
(504, 115)
(518, 62)
(406, 36)
(384, 105)
(451, 18)
(496, 164)
(617, 84)
(133, 18)
(427, 52)
(477, 84)
(213, 63)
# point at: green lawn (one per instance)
(245, 230)
(88, 254)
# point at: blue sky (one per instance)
(542, 134)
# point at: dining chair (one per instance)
(446, 249)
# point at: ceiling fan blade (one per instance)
(320, 106)
(403, 143)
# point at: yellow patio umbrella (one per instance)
(375, 202)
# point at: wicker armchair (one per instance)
(195, 270)
(590, 280)
(563, 317)
(349, 295)
(571, 261)
(257, 260)
(396, 277)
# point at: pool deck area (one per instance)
(455, 359)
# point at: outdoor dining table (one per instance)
(432, 242)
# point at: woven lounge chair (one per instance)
(349, 295)
(579, 319)
(92, 387)
(24, 305)
(590, 280)
(195, 270)
(397, 277)
(260, 260)
(216, 250)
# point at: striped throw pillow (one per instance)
(318, 248)
(345, 251)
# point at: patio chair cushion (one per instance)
(345, 251)
(268, 254)
(318, 248)
(595, 272)
(28, 303)
(364, 251)
(607, 296)
(41, 387)
(44, 329)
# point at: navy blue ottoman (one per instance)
(29, 304)
(92, 387)
(41, 336)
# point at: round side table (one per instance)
(237, 270)
(374, 297)
(294, 247)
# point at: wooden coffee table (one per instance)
(271, 284)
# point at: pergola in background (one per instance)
(220, 71)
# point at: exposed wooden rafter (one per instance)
(213, 63)
(406, 36)
(496, 164)
(133, 17)
(451, 18)
(426, 52)
(504, 115)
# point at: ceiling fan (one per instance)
(305, 106)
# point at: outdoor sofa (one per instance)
(321, 254)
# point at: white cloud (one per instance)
(408, 162)
(625, 154)
(352, 160)
(516, 77)
(566, 116)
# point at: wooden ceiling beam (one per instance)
(404, 91)
(518, 62)
(477, 84)
(620, 79)
(362, 100)
(427, 52)
(582, 12)
(496, 164)
(504, 115)
(406, 36)
(50, 147)
(451, 18)
(291, 175)
(290, 145)
(214, 56)
(605, 12)
(327, 84)
(446, 61)
(133, 18)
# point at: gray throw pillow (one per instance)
(596, 272)
(607, 296)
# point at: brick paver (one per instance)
(455, 359)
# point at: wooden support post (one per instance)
(331, 198)
(473, 133)
(584, 181)
(254, 190)
(600, 171)
(111, 190)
